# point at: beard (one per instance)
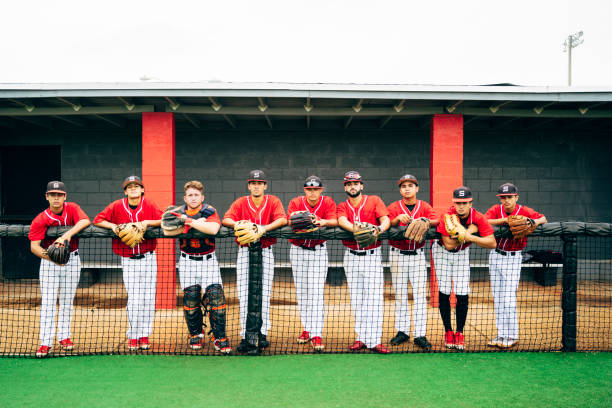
(353, 195)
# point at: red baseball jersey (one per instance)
(512, 244)
(71, 214)
(421, 209)
(270, 210)
(369, 209)
(475, 217)
(325, 209)
(120, 212)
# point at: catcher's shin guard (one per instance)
(254, 319)
(214, 302)
(192, 298)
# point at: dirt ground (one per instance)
(100, 321)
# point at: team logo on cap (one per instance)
(505, 189)
(55, 185)
(256, 174)
(461, 193)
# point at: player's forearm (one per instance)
(151, 223)
(498, 221)
(332, 222)
(485, 242)
(541, 221)
(345, 224)
(79, 226)
(384, 223)
(396, 221)
(38, 250)
(434, 222)
(228, 222)
(281, 222)
(106, 224)
(449, 243)
(208, 228)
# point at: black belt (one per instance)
(195, 257)
(406, 252)
(361, 253)
(314, 248)
(504, 253)
(140, 256)
(447, 250)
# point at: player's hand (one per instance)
(321, 222)
(404, 218)
(60, 240)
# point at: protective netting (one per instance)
(554, 308)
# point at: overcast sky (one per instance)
(409, 42)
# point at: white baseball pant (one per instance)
(364, 275)
(413, 268)
(505, 273)
(204, 273)
(309, 274)
(242, 284)
(53, 277)
(452, 270)
(140, 280)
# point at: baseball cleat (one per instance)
(143, 343)
(195, 342)
(133, 344)
(263, 342)
(508, 343)
(381, 349)
(459, 341)
(358, 345)
(449, 339)
(317, 343)
(222, 346)
(399, 338)
(66, 344)
(496, 342)
(423, 343)
(304, 337)
(243, 347)
(43, 351)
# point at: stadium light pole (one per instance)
(572, 41)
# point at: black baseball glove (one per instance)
(303, 221)
(59, 253)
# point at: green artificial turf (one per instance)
(398, 380)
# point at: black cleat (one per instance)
(243, 347)
(399, 338)
(263, 342)
(423, 343)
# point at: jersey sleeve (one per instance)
(233, 212)
(214, 217)
(106, 214)
(293, 206)
(38, 229)
(484, 228)
(341, 210)
(330, 209)
(80, 214)
(380, 208)
(429, 212)
(442, 226)
(154, 212)
(531, 213)
(492, 213)
(278, 211)
(393, 211)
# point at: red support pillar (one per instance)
(158, 178)
(446, 172)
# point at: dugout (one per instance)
(551, 142)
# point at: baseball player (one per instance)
(407, 259)
(505, 265)
(452, 262)
(309, 261)
(139, 263)
(53, 276)
(199, 269)
(363, 266)
(265, 210)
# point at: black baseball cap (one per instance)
(313, 182)
(130, 180)
(257, 175)
(462, 195)
(56, 187)
(352, 175)
(507, 189)
(407, 177)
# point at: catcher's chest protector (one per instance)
(197, 245)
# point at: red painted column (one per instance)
(158, 178)
(446, 172)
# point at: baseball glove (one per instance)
(416, 229)
(132, 233)
(365, 234)
(303, 221)
(248, 232)
(59, 253)
(521, 226)
(454, 228)
(171, 219)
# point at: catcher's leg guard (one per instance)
(192, 298)
(214, 302)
